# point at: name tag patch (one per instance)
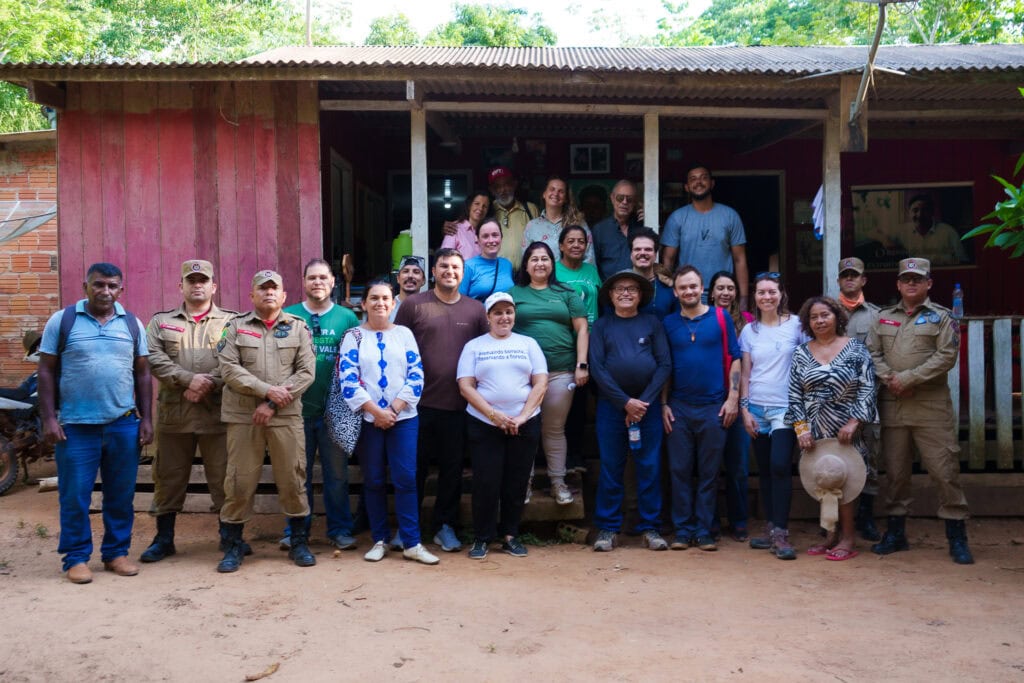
(250, 333)
(894, 323)
(167, 326)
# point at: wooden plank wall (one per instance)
(152, 174)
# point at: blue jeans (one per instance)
(695, 447)
(111, 449)
(737, 473)
(334, 472)
(613, 443)
(396, 447)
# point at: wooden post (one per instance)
(1002, 373)
(976, 402)
(418, 176)
(652, 142)
(832, 181)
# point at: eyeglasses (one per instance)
(908, 279)
(624, 198)
(768, 275)
(314, 322)
(626, 289)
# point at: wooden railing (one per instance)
(990, 364)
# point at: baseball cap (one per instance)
(498, 173)
(196, 266)
(497, 298)
(917, 266)
(852, 263)
(265, 276)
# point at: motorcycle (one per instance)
(21, 429)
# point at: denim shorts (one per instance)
(769, 418)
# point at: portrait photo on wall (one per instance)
(892, 222)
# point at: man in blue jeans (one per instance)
(328, 323)
(700, 404)
(99, 365)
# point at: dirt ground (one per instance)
(563, 613)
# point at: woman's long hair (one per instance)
(571, 214)
(734, 308)
(464, 214)
(782, 309)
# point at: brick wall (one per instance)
(28, 265)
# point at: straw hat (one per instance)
(833, 474)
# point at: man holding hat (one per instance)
(862, 316)
(183, 356)
(913, 345)
(267, 362)
(512, 214)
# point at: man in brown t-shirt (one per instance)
(442, 321)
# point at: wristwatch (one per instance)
(273, 406)
(582, 366)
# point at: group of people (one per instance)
(495, 361)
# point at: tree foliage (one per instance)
(392, 29)
(483, 25)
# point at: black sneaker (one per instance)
(514, 548)
(478, 551)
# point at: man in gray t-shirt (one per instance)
(706, 235)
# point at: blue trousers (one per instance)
(111, 449)
(695, 447)
(613, 443)
(737, 474)
(395, 447)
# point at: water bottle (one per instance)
(570, 386)
(634, 436)
(958, 302)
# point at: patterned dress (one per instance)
(827, 396)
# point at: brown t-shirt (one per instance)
(441, 330)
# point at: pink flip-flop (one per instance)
(841, 554)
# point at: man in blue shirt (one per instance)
(105, 399)
(611, 235)
(699, 404)
(706, 235)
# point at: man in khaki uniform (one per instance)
(267, 362)
(183, 356)
(863, 315)
(914, 344)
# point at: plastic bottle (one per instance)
(571, 386)
(634, 436)
(958, 302)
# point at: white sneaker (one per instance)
(561, 493)
(420, 554)
(377, 552)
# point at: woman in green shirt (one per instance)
(573, 271)
(554, 315)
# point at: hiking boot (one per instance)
(478, 551)
(781, 547)
(420, 554)
(956, 534)
(763, 542)
(605, 541)
(377, 552)
(162, 546)
(447, 539)
(514, 548)
(300, 554)
(865, 519)
(652, 540)
(895, 538)
(561, 493)
(234, 552)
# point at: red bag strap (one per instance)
(726, 358)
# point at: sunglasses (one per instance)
(624, 198)
(768, 275)
(314, 322)
(417, 261)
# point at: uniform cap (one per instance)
(917, 266)
(196, 266)
(265, 276)
(852, 263)
(497, 174)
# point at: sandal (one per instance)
(841, 554)
(824, 548)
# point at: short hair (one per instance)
(104, 269)
(316, 262)
(828, 302)
(448, 252)
(485, 221)
(644, 232)
(686, 270)
(695, 165)
(570, 228)
(624, 181)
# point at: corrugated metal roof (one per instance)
(789, 61)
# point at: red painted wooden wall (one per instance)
(152, 174)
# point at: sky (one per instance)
(570, 20)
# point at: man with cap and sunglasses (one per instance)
(411, 278)
(862, 316)
(267, 362)
(183, 356)
(914, 344)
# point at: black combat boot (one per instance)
(246, 548)
(163, 543)
(956, 534)
(299, 554)
(233, 553)
(865, 520)
(894, 539)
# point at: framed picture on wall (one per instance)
(892, 222)
(590, 158)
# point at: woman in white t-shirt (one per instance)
(503, 377)
(767, 345)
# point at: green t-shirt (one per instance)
(546, 315)
(585, 281)
(333, 325)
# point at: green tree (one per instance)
(492, 26)
(393, 29)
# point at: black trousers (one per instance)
(501, 471)
(442, 440)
